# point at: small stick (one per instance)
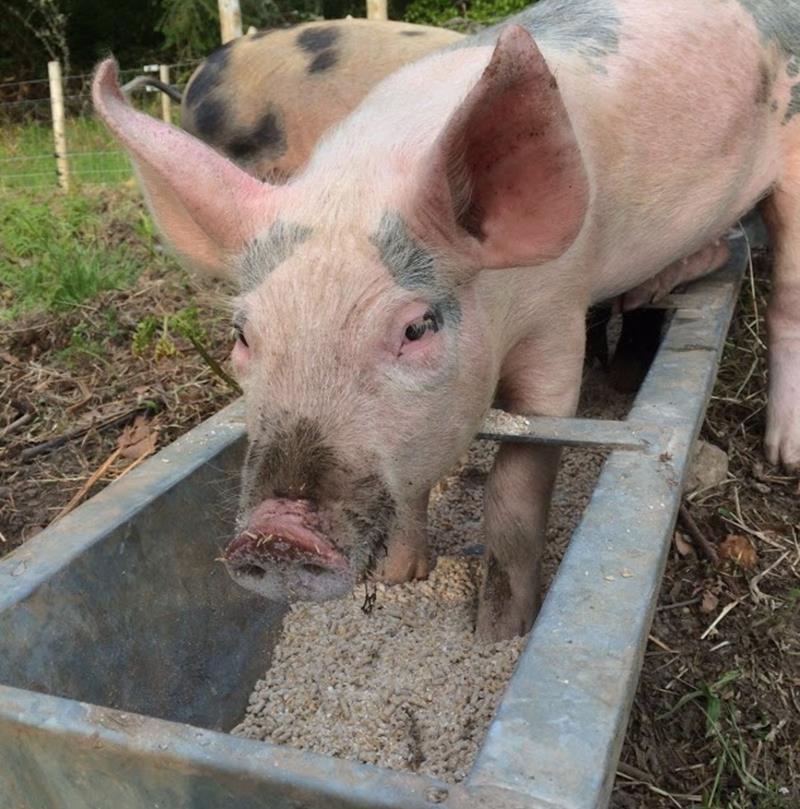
(633, 772)
(99, 472)
(213, 364)
(54, 443)
(676, 605)
(697, 535)
(725, 610)
(661, 645)
(16, 424)
(133, 465)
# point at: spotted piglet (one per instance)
(265, 99)
(445, 242)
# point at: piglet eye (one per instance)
(239, 332)
(418, 329)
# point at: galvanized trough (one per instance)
(125, 650)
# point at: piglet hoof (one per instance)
(505, 610)
(782, 440)
(783, 448)
(403, 564)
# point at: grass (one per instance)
(58, 251)
(27, 158)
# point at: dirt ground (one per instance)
(716, 720)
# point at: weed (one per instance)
(59, 252)
(721, 713)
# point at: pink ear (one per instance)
(507, 170)
(206, 207)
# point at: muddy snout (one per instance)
(285, 553)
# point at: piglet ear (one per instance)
(506, 176)
(206, 207)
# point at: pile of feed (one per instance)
(406, 685)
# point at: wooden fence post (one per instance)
(377, 10)
(230, 20)
(59, 128)
(166, 101)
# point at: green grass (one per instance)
(723, 719)
(26, 149)
(57, 251)
(27, 161)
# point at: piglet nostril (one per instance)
(316, 570)
(250, 570)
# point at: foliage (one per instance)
(191, 27)
(440, 12)
(36, 32)
(56, 254)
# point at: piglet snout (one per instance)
(284, 554)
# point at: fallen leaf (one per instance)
(709, 602)
(682, 545)
(740, 550)
(137, 439)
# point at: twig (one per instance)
(133, 466)
(756, 580)
(725, 610)
(16, 424)
(708, 549)
(633, 772)
(54, 443)
(213, 364)
(661, 645)
(676, 605)
(99, 472)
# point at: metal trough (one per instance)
(125, 650)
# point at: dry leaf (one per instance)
(137, 439)
(682, 545)
(709, 602)
(740, 550)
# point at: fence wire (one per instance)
(27, 151)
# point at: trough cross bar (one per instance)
(624, 435)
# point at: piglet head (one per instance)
(364, 344)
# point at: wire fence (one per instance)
(28, 156)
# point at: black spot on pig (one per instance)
(323, 61)
(590, 28)
(209, 119)
(794, 104)
(209, 75)
(293, 462)
(412, 265)
(268, 251)
(764, 90)
(777, 21)
(412, 33)
(314, 40)
(266, 139)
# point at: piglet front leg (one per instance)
(782, 214)
(541, 376)
(407, 556)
